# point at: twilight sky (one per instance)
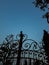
(21, 15)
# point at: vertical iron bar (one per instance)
(20, 46)
(30, 61)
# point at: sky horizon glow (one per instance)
(21, 15)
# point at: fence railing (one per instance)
(21, 51)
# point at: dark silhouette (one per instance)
(46, 16)
(46, 44)
(20, 46)
(6, 52)
(25, 63)
(46, 1)
(43, 5)
(37, 62)
(40, 3)
(30, 62)
(11, 50)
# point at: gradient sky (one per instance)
(21, 15)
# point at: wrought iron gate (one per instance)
(22, 51)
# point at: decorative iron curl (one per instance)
(15, 44)
(28, 43)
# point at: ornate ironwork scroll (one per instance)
(22, 50)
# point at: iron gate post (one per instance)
(19, 50)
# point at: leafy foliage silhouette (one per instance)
(43, 5)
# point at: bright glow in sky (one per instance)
(17, 15)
